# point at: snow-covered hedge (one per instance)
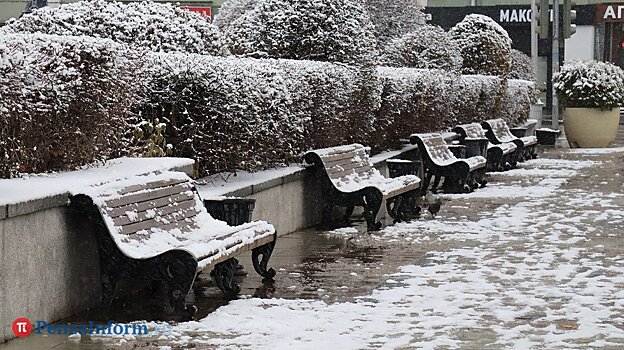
(233, 113)
(337, 103)
(521, 66)
(156, 26)
(393, 19)
(485, 45)
(429, 48)
(66, 102)
(418, 100)
(590, 84)
(318, 30)
(63, 101)
(230, 11)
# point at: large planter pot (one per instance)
(589, 127)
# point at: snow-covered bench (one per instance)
(349, 179)
(498, 132)
(155, 227)
(460, 175)
(499, 157)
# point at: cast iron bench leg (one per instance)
(179, 269)
(348, 213)
(373, 201)
(223, 275)
(260, 258)
(394, 205)
(436, 183)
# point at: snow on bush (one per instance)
(590, 84)
(393, 19)
(226, 113)
(318, 30)
(516, 103)
(485, 45)
(230, 11)
(69, 101)
(429, 48)
(338, 103)
(249, 114)
(521, 66)
(63, 101)
(414, 100)
(418, 100)
(156, 26)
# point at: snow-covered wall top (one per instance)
(32, 187)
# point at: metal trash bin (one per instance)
(234, 211)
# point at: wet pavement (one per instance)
(534, 260)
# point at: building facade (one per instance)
(599, 35)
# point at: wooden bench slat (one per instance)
(352, 155)
(358, 167)
(143, 215)
(151, 185)
(338, 156)
(362, 175)
(148, 195)
(153, 223)
(153, 204)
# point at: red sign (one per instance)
(204, 11)
(21, 327)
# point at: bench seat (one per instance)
(506, 148)
(389, 187)
(529, 140)
(158, 219)
(350, 179)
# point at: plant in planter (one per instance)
(592, 93)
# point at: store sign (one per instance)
(610, 13)
(204, 11)
(515, 16)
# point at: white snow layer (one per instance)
(31, 187)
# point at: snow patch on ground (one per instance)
(344, 231)
(591, 151)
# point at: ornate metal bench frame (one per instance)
(473, 136)
(369, 197)
(458, 177)
(497, 131)
(176, 267)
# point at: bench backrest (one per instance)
(162, 204)
(472, 131)
(343, 161)
(500, 130)
(436, 148)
